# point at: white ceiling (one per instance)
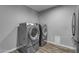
(40, 7)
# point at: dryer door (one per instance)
(34, 32)
(44, 30)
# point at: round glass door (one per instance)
(34, 33)
(44, 30)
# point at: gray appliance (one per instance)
(21, 37)
(43, 34)
(29, 41)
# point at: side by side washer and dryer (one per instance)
(30, 37)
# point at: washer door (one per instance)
(34, 32)
(44, 30)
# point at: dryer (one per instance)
(31, 38)
(43, 34)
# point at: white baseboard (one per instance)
(61, 45)
(8, 51)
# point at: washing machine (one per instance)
(30, 41)
(43, 35)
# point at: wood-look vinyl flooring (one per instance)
(51, 48)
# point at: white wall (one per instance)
(10, 17)
(59, 21)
